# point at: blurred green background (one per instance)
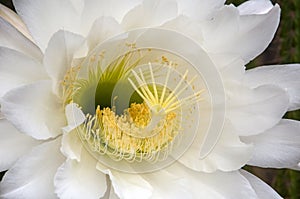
(285, 48)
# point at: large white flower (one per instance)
(142, 99)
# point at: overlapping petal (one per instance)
(95, 9)
(14, 19)
(150, 13)
(75, 117)
(245, 35)
(255, 7)
(199, 9)
(34, 110)
(65, 17)
(185, 26)
(277, 147)
(229, 154)
(59, 55)
(32, 175)
(261, 189)
(17, 69)
(10, 37)
(80, 179)
(284, 76)
(127, 186)
(13, 144)
(178, 181)
(110, 194)
(71, 143)
(188, 184)
(253, 111)
(103, 29)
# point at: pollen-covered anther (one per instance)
(152, 124)
(67, 84)
(126, 137)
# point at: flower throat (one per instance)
(146, 127)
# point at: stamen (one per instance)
(111, 134)
(146, 130)
(153, 83)
(67, 84)
(165, 86)
(159, 103)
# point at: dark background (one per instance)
(285, 48)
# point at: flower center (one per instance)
(137, 110)
(140, 92)
(126, 136)
(142, 101)
(147, 129)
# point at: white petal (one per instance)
(44, 18)
(261, 189)
(246, 35)
(11, 17)
(77, 180)
(179, 182)
(150, 13)
(59, 55)
(252, 111)
(12, 145)
(78, 5)
(229, 154)
(75, 117)
(1, 115)
(278, 147)
(103, 29)
(199, 9)
(34, 110)
(71, 145)
(17, 69)
(255, 7)
(127, 186)
(110, 192)
(32, 175)
(185, 26)
(233, 70)
(94, 9)
(284, 76)
(10, 37)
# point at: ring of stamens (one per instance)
(111, 134)
(145, 131)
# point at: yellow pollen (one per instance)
(140, 114)
(145, 131)
(68, 84)
(124, 137)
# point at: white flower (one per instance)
(142, 99)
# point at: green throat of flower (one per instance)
(132, 112)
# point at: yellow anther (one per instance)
(123, 137)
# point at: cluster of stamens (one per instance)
(145, 131)
(163, 103)
(116, 136)
(67, 84)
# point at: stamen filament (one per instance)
(165, 86)
(153, 83)
(175, 89)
